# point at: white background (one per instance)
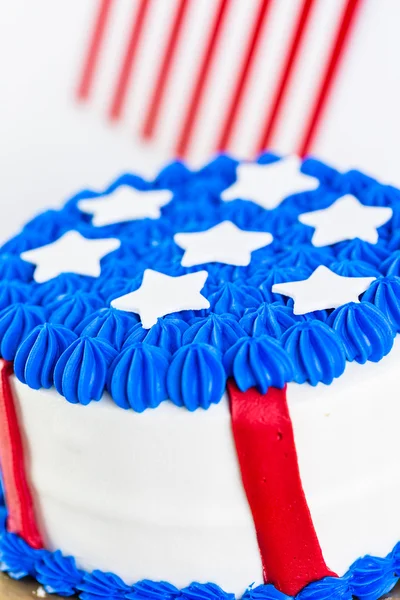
(50, 146)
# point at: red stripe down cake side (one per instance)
(21, 514)
(263, 434)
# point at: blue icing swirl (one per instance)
(354, 268)
(12, 292)
(234, 299)
(259, 362)
(306, 256)
(58, 574)
(316, 168)
(205, 591)
(97, 585)
(137, 377)
(280, 275)
(122, 270)
(244, 213)
(328, 588)
(316, 351)
(218, 274)
(269, 319)
(372, 577)
(13, 267)
(360, 250)
(391, 266)
(364, 331)
(21, 242)
(70, 310)
(16, 322)
(108, 324)
(50, 225)
(219, 331)
(16, 557)
(297, 234)
(81, 371)
(264, 592)
(66, 283)
(153, 590)
(196, 377)
(222, 168)
(38, 354)
(319, 315)
(165, 334)
(172, 176)
(115, 288)
(384, 293)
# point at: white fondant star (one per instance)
(268, 185)
(71, 253)
(346, 219)
(323, 289)
(125, 204)
(224, 243)
(161, 294)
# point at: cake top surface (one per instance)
(267, 272)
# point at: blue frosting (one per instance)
(365, 332)
(107, 586)
(16, 557)
(354, 268)
(114, 288)
(391, 266)
(258, 362)
(81, 371)
(234, 299)
(66, 283)
(241, 298)
(165, 334)
(264, 592)
(196, 377)
(137, 377)
(384, 293)
(205, 591)
(13, 267)
(38, 354)
(280, 275)
(356, 249)
(16, 322)
(306, 256)
(316, 351)
(108, 324)
(269, 319)
(152, 590)
(70, 310)
(219, 331)
(12, 292)
(368, 578)
(58, 573)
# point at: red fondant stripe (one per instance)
(277, 102)
(243, 76)
(164, 73)
(263, 434)
(89, 68)
(21, 517)
(125, 74)
(339, 45)
(196, 97)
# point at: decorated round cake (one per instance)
(198, 387)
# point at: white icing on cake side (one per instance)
(156, 495)
(346, 436)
